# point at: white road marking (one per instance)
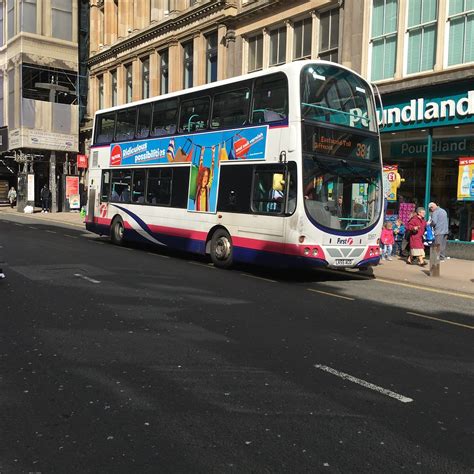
(398, 283)
(332, 294)
(202, 265)
(70, 236)
(258, 278)
(78, 275)
(440, 320)
(18, 225)
(419, 287)
(51, 231)
(31, 227)
(158, 255)
(364, 383)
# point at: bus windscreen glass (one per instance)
(334, 95)
(342, 194)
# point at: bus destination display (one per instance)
(339, 144)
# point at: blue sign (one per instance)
(423, 112)
(243, 144)
(203, 151)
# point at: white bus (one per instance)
(278, 167)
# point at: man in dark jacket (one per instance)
(439, 223)
(45, 194)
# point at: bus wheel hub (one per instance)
(222, 248)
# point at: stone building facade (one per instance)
(38, 87)
(146, 48)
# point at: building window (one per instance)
(422, 24)
(11, 30)
(113, 84)
(61, 19)
(11, 99)
(188, 51)
(278, 46)
(302, 33)
(100, 80)
(145, 78)
(1, 25)
(255, 53)
(461, 32)
(34, 78)
(329, 35)
(164, 72)
(211, 57)
(193, 2)
(28, 16)
(384, 38)
(128, 83)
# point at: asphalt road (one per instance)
(124, 359)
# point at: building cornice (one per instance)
(155, 31)
(432, 79)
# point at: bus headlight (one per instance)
(315, 252)
(306, 251)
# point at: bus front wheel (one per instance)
(221, 249)
(117, 231)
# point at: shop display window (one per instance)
(408, 150)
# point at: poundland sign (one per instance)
(434, 112)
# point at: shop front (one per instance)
(428, 139)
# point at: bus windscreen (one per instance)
(334, 95)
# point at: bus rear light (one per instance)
(372, 252)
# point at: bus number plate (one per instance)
(343, 261)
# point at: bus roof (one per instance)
(290, 69)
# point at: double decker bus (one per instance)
(277, 167)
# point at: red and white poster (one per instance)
(82, 161)
(72, 192)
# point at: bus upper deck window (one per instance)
(270, 99)
(231, 108)
(194, 114)
(105, 125)
(165, 117)
(143, 121)
(126, 124)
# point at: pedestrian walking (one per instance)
(399, 234)
(416, 228)
(45, 196)
(12, 196)
(387, 240)
(439, 223)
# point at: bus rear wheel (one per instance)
(221, 249)
(117, 231)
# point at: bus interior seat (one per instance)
(266, 115)
(143, 133)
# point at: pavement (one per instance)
(456, 275)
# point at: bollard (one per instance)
(435, 262)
